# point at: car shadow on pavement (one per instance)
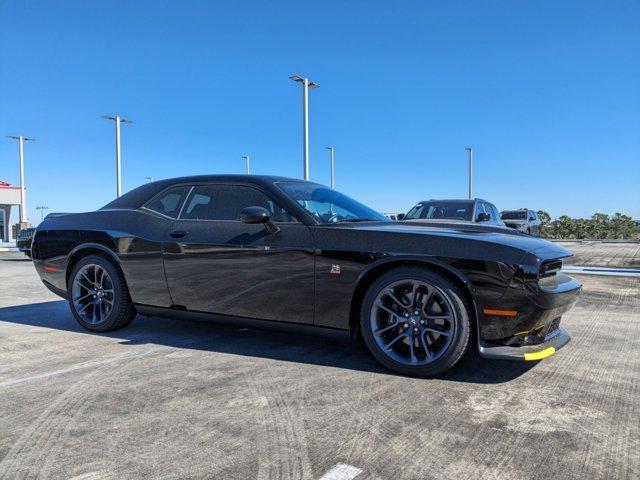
(324, 347)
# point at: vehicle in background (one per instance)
(392, 216)
(23, 241)
(448, 211)
(523, 220)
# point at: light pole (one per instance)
(149, 179)
(118, 120)
(42, 209)
(470, 152)
(23, 202)
(333, 172)
(306, 85)
(246, 159)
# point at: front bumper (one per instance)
(534, 331)
(558, 339)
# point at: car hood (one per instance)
(472, 231)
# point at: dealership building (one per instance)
(9, 196)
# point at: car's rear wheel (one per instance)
(415, 321)
(98, 295)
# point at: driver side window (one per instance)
(226, 202)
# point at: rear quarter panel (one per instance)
(133, 238)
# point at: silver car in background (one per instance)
(523, 220)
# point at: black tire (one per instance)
(121, 312)
(460, 324)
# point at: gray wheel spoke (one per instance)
(84, 308)
(84, 297)
(385, 329)
(412, 351)
(84, 275)
(440, 332)
(414, 291)
(438, 317)
(391, 294)
(427, 352)
(390, 344)
(426, 302)
(382, 306)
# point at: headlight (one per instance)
(547, 276)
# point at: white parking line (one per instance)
(73, 368)
(608, 271)
(342, 471)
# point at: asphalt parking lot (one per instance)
(175, 399)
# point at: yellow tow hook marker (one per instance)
(547, 352)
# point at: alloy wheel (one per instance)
(92, 294)
(413, 322)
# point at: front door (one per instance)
(216, 263)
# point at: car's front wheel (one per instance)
(98, 295)
(415, 321)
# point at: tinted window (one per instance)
(532, 216)
(327, 205)
(169, 202)
(437, 210)
(225, 202)
(514, 215)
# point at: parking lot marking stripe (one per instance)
(342, 471)
(606, 271)
(73, 368)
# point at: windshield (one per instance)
(327, 205)
(517, 215)
(441, 210)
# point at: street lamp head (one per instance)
(18, 137)
(112, 117)
(298, 78)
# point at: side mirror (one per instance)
(401, 216)
(259, 215)
(483, 217)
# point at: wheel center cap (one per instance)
(414, 321)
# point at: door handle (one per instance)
(179, 233)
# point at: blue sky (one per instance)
(547, 93)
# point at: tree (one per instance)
(544, 216)
(599, 226)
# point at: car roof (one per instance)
(140, 195)
(459, 200)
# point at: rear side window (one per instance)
(225, 202)
(169, 202)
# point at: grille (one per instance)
(553, 327)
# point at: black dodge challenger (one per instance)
(267, 249)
